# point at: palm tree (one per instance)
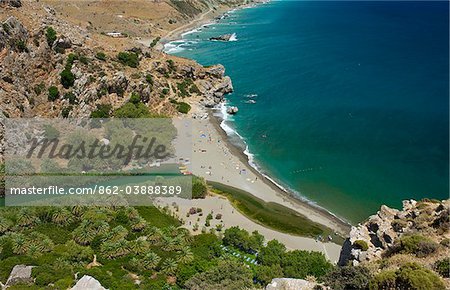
(26, 217)
(5, 225)
(169, 266)
(151, 261)
(186, 256)
(117, 233)
(19, 244)
(131, 213)
(171, 231)
(61, 216)
(121, 248)
(78, 210)
(138, 246)
(154, 236)
(34, 251)
(138, 224)
(83, 235)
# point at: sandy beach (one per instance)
(213, 158)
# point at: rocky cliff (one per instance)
(32, 61)
(420, 229)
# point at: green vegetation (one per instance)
(183, 107)
(71, 58)
(130, 59)
(50, 34)
(186, 87)
(102, 111)
(171, 66)
(134, 108)
(242, 240)
(362, 245)
(66, 111)
(348, 277)
(67, 78)
(71, 97)
(21, 46)
(443, 267)
(417, 245)
(270, 214)
(100, 55)
(149, 79)
(408, 276)
(53, 93)
(38, 89)
(144, 241)
(199, 189)
(155, 41)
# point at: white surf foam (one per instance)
(233, 37)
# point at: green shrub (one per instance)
(155, 41)
(38, 89)
(165, 91)
(300, 264)
(50, 34)
(67, 78)
(21, 45)
(443, 267)
(130, 59)
(70, 60)
(71, 97)
(149, 79)
(417, 245)
(135, 98)
(360, 244)
(66, 111)
(84, 59)
(183, 107)
(199, 189)
(348, 277)
(100, 55)
(53, 93)
(408, 276)
(102, 111)
(384, 280)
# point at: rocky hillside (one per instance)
(50, 67)
(394, 244)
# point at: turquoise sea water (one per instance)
(351, 98)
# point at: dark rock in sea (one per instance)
(232, 110)
(225, 37)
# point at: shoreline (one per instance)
(343, 227)
(284, 195)
(205, 18)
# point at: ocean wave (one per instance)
(178, 46)
(251, 96)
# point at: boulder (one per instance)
(118, 84)
(88, 282)
(11, 3)
(290, 284)
(20, 274)
(62, 42)
(11, 32)
(232, 110)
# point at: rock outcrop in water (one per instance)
(225, 37)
